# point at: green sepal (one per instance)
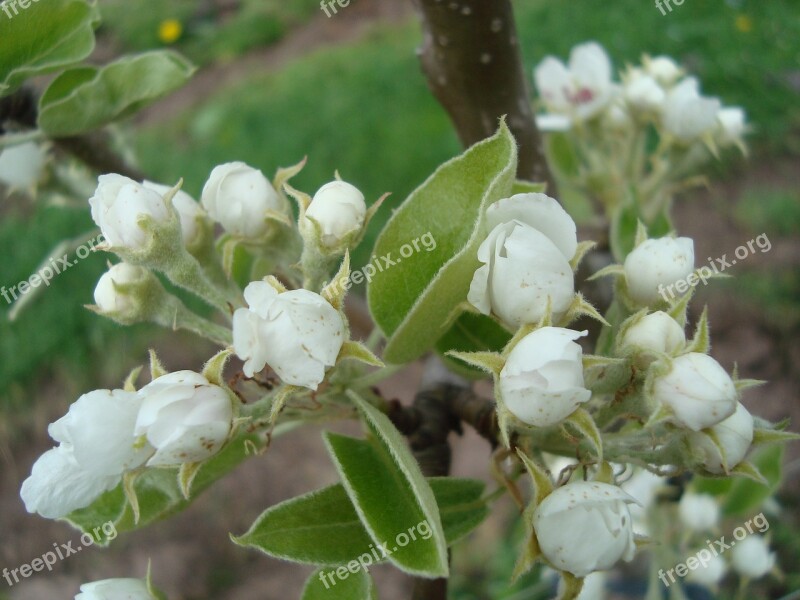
(701, 342)
(542, 485)
(582, 421)
(358, 351)
(491, 362)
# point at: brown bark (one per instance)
(471, 58)
(93, 149)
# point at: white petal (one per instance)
(58, 485)
(100, 425)
(541, 212)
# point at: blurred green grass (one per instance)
(206, 34)
(365, 109)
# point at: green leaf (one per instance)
(414, 496)
(323, 528)
(86, 98)
(741, 495)
(414, 302)
(46, 36)
(319, 528)
(386, 504)
(472, 333)
(746, 495)
(326, 584)
(159, 491)
(461, 505)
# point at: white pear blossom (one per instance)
(189, 211)
(117, 206)
(734, 435)
(581, 90)
(656, 264)
(240, 198)
(522, 269)
(751, 557)
(184, 417)
(687, 114)
(96, 446)
(697, 390)
(542, 381)
(655, 332)
(339, 209)
(541, 212)
(644, 94)
(732, 124)
(298, 333)
(698, 512)
(107, 295)
(709, 572)
(115, 589)
(665, 70)
(22, 166)
(585, 526)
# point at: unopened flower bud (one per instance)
(240, 198)
(656, 264)
(585, 526)
(734, 436)
(339, 209)
(751, 557)
(523, 270)
(643, 94)
(118, 205)
(655, 332)
(697, 390)
(116, 291)
(698, 512)
(184, 417)
(665, 70)
(687, 114)
(732, 125)
(542, 381)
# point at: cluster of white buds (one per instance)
(177, 418)
(654, 92)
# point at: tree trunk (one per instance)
(471, 58)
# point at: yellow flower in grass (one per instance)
(744, 24)
(169, 31)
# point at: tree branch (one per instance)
(470, 56)
(93, 149)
